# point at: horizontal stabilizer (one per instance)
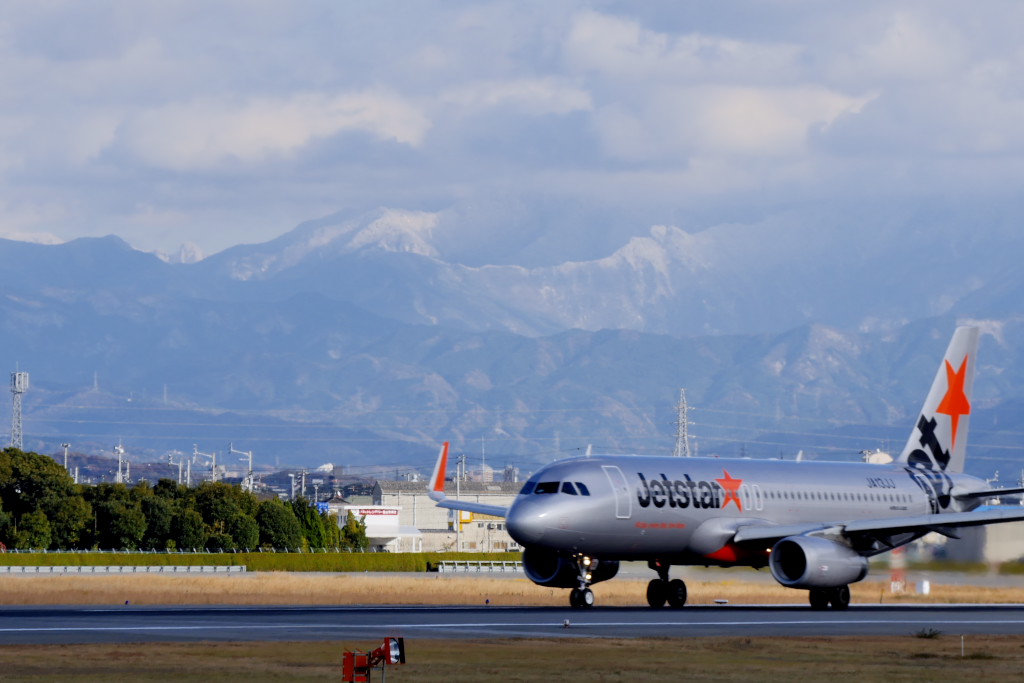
(477, 508)
(990, 493)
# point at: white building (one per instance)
(443, 530)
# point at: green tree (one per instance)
(245, 531)
(311, 522)
(353, 534)
(168, 489)
(332, 532)
(188, 530)
(70, 523)
(106, 491)
(119, 524)
(6, 527)
(159, 513)
(30, 483)
(219, 541)
(216, 502)
(278, 526)
(33, 530)
(220, 505)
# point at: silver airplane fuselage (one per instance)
(813, 523)
(686, 510)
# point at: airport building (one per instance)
(424, 527)
(992, 544)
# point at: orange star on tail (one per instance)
(955, 403)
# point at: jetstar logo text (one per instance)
(685, 492)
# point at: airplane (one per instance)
(813, 524)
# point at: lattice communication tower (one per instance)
(682, 427)
(19, 385)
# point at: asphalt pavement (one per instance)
(53, 625)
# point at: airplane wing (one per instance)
(436, 491)
(889, 525)
(937, 522)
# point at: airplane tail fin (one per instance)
(939, 439)
(435, 491)
(436, 487)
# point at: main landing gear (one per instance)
(661, 590)
(838, 597)
(583, 596)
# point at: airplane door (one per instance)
(623, 503)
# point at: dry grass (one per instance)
(898, 659)
(429, 589)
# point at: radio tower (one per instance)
(682, 428)
(19, 385)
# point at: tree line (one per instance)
(42, 508)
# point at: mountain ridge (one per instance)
(359, 341)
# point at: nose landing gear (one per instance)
(583, 596)
(661, 590)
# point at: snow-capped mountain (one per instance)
(354, 338)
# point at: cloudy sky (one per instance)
(231, 122)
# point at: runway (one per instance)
(63, 625)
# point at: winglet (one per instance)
(436, 488)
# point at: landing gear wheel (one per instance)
(581, 597)
(839, 597)
(676, 593)
(819, 598)
(657, 593)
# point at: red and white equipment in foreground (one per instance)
(356, 666)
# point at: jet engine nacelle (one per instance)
(550, 568)
(813, 562)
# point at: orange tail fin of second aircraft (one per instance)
(440, 470)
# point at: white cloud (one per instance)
(207, 133)
(904, 46)
(233, 122)
(533, 96)
(724, 120)
(621, 49)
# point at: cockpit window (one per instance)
(527, 489)
(584, 491)
(546, 487)
(567, 487)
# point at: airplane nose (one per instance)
(525, 526)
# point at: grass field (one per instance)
(428, 589)
(900, 659)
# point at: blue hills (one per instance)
(355, 340)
